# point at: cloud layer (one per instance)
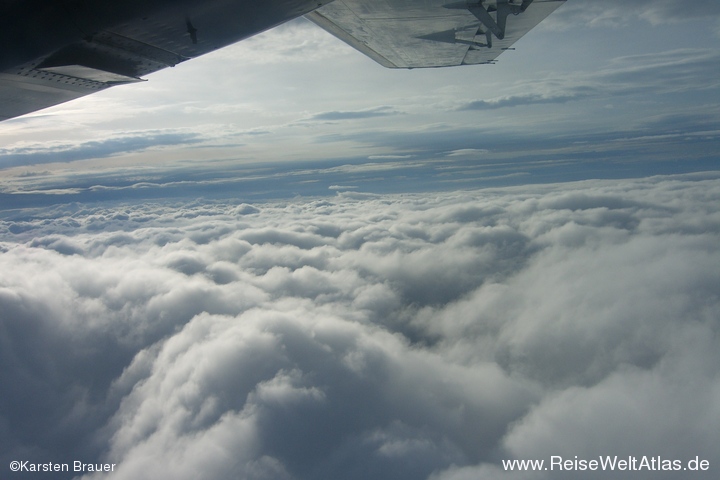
(365, 336)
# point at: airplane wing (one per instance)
(431, 33)
(58, 50)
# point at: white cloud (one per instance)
(408, 336)
(616, 13)
(671, 71)
(388, 157)
(468, 152)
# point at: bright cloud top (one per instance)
(403, 337)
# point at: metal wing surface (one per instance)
(431, 33)
(57, 50)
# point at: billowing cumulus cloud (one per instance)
(365, 336)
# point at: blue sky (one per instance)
(283, 261)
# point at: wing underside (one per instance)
(58, 50)
(431, 33)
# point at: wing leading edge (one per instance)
(432, 33)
